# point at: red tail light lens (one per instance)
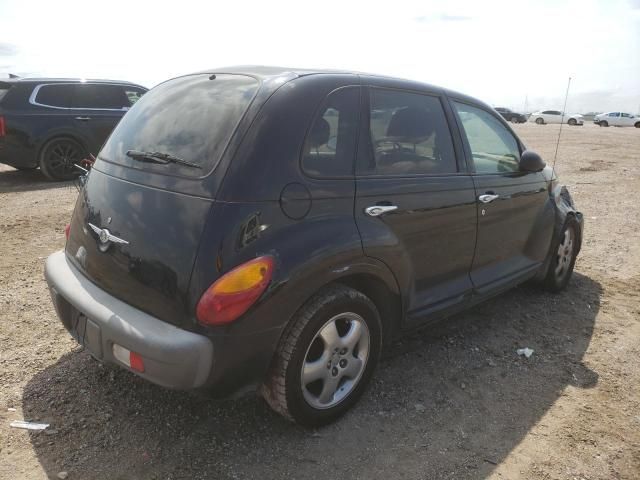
(3, 127)
(232, 294)
(67, 229)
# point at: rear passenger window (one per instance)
(55, 95)
(409, 135)
(100, 96)
(493, 147)
(329, 149)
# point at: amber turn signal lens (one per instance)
(232, 294)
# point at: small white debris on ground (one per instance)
(527, 352)
(28, 425)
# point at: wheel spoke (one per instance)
(328, 389)
(353, 368)
(351, 339)
(315, 370)
(330, 336)
(559, 268)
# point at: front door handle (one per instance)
(378, 210)
(83, 119)
(488, 198)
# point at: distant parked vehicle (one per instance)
(554, 116)
(617, 119)
(54, 123)
(510, 115)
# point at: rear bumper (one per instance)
(173, 357)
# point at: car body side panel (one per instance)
(429, 241)
(514, 231)
(309, 255)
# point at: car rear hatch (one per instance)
(137, 223)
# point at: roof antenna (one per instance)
(555, 156)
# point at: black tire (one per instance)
(284, 388)
(637, 125)
(561, 265)
(603, 123)
(515, 120)
(540, 121)
(572, 122)
(58, 157)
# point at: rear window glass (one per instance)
(99, 96)
(55, 95)
(190, 117)
(3, 90)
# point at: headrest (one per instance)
(411, 123)
(320, 132)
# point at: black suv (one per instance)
(511, 116)
(274, 228)
(54, 123)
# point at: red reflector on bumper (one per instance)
(136, 362)
(131, 359)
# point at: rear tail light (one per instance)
(3, 127)
(131, 359)
(232, 294)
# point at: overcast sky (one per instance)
(499, 51)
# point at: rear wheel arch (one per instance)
(388, 302)
(381, 289)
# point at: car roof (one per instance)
(38, 80)
(279, 75)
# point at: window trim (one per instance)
(314, 117)
(34, 94)
(465, 141)
(366, 124)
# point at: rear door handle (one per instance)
(488, 198)
(83, 119)
(378, 210)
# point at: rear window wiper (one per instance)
(159, 157)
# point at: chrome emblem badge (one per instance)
(106, 238)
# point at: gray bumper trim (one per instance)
(173, 357)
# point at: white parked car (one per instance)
(617, 119)
(554, 116)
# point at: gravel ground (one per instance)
(453, 401)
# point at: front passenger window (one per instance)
(493, 147)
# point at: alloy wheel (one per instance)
(565, 254)
(335, 360)
(61, 158)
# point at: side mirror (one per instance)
(530, 161)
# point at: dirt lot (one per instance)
(454, 401)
